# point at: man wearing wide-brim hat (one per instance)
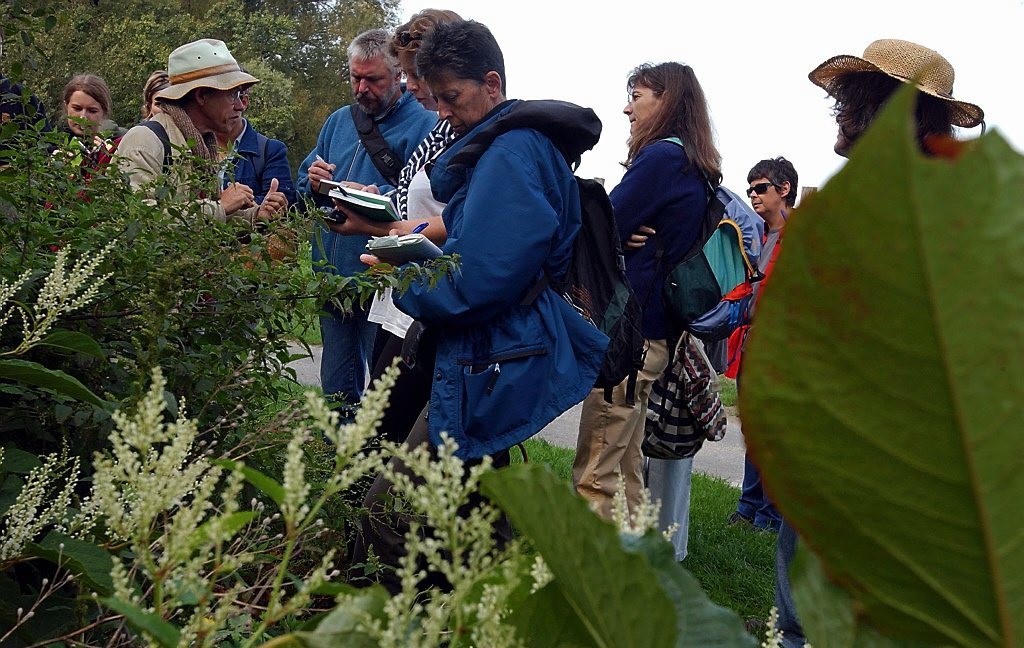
(204, 98)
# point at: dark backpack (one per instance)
(161, 134)
(595, 283)
(597, 287)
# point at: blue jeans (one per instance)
(754, 505)
(348, 345)
(785, 551)
(668, 480)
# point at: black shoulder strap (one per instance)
(161, 134)
(380, 153)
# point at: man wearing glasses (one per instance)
(255, 160)
(203, 99)
(772, 194)
(349, 150)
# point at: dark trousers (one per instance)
(789, 623)
(384, 529)
(754, 504)
(411, 391)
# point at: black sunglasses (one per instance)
(404, 38)
(760, 188)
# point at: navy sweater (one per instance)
(659, 190)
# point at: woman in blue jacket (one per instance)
(505, 366)
(662, 195)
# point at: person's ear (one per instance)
(201, 95)
(492, 80)
(784, 189)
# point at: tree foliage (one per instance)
(297, 49)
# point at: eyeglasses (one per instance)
(236, 96)
(404, 38)
(760, 188)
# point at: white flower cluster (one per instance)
(7, 291)
(43, 502)
(150, 471)
(540, 573)
(643, 519)
(460, 547)
(180, 516)
(63, 292)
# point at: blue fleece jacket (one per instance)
(403, 126)
(664, 192)
(275, 165)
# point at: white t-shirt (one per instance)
(421, 205)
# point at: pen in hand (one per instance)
(419, 228)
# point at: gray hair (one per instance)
(372, 44)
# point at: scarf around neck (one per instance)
(204, 145)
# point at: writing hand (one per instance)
(319, 170)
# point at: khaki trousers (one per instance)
(608, 446)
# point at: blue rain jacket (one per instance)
(504, 370)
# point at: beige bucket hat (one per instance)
(908, 62)
(205, 63)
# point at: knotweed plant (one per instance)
(450, 541)
(184, 550)
(64, 291)
(43, 503)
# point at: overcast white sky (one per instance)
(752, 58)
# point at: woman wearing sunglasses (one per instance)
(772, 194)
(662, 196)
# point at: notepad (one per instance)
(398, 249)
(368, 205)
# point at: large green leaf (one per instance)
(74, 342)
(827, 614)
(884, 379)
(341, 626)
(541, 621)
(622, 594)
(266, 485)
(19, 461)
(163, 633)
(33, 373)
(702, 624)
(91, 564)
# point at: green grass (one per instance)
(735, 565)
(727, 391)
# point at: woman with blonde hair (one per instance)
(671, 161)
(87, 116)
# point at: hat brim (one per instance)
(225, 81)
(963, 113)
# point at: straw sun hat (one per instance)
(204, 63)
(907, 62)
